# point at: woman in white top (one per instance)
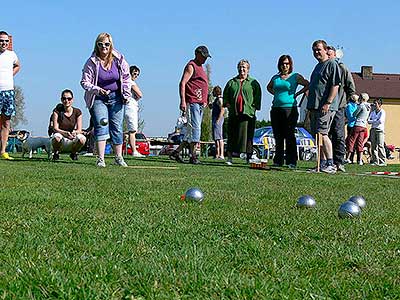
(377, 134)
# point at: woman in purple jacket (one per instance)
(107, 84)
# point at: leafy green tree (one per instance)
(19, 117)
(262, 123)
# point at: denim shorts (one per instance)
(194, 114)
(7, 103)
(111, 109)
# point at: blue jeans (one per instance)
(194, 113)
(112, 109)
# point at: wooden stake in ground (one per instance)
(318, 140)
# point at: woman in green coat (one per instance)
(242, 97)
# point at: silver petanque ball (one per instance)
(306, 201)
(103, 121)
(359, 200)
(349, 210)
(194, 194)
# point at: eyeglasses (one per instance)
(102, 45)
(66, 98)
(4, 41)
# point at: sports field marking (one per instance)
(384, 173)
(393, 175)
(153, 167)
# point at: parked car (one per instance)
(142, 145)
(306, 149)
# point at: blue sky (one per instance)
(53, 39)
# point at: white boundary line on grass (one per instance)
(393, 175)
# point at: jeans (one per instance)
(112, 109)
(194, 113)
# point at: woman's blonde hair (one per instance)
(364, 97)
(354, 98)
(101, 37)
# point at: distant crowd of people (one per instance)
(112, 95)
(329, 94)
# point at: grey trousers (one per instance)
(378, 154)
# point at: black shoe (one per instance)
(74, 156)
(175, 156)
(194, 161)
(56, 156)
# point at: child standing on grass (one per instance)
(218, 122)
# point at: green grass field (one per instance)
(69, 230)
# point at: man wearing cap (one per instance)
(322, 101)
(9, 66)
(347, 88)
(193, 92)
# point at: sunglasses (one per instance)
(4, 41)
(101, 44)
(135, 74)
(66, 98)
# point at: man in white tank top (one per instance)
(9, 66)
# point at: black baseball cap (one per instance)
(203, 51)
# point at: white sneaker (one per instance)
(137, 154)
(100, 162)
(254, 160)
(254, 157)
(229, 162)
(360, 163)
(328, 169)
(119, 161)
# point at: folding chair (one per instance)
(269, 147)
(306, 145)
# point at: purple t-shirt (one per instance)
(109, 79)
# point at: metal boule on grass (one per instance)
(349, 209)
(194, 194)
(306, 201)
(103, 121)
(359, 200)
